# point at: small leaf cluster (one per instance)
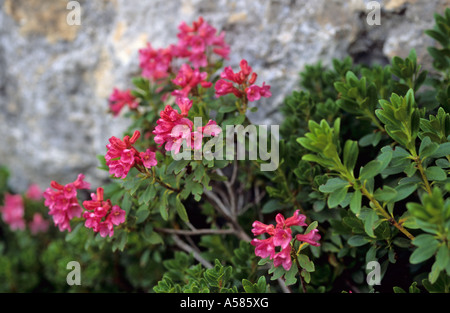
(183, 276)
(394, 197)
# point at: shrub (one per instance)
(356, 176)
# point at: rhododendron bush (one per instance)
(200, 199)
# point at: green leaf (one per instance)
(355, 202)
(248, 286)
(181, 210)
(290, 278)
(370, 170)
(405, 190)
(163, 209)
(385, 157)
(227, 108)
(434, 274)
(126, 202)
(437, 35)
(261, 285)
(427, 148)
(369, 223)
(333, 184)
(177, 166)
(350, 154)
(336, 197)
(398, 290)
(276, 272)
(142, 213)
(311, 227)
(442, 151)
(370, 139)
(386, 194)
(354, 223)
(235, 120)
(413, 288)
(271, 206)
(148, 194)
(357, 241)
(305, 263)
(120, 241)
(442, 257)
(74, 232)
(427, 246)
(306, 276)
(435, 173)
(153, 238)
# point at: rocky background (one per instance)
(55, 78)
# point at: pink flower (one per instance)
(241, 83)
(101, 215)
(105, 228)
(264, 248)
(210, 129)
(117, 215)
(69, 191)
(253, 93)
(38, 224)
(296, 220)
(280, 236)
(148, 158)
(13, 212)
(198, 41)
(121, 155)
(312, 237)
(188, 79)
(184, 104)
(261, 228)
(172, 128)
(283, 258)
(63, 203)
(79, 183)
(34, 192)
(224, 87)
(155, 63)
(118, 99)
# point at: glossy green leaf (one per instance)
(435, 173)
(370, 170)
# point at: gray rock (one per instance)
(55, 78)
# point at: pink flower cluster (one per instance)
(241, 83)
(196, 42)
(188, 78)
(119, 98)
(101, 215)
(122, 156)
(155, 63)
(13, 212)
(63, 203)
(174, 128)
(38, 224)
(281, 236)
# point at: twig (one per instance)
(258, 197)
(223, 196)
(195, 232)
(222, 208)
(181, 244)
(229, 187)
(283, 286)
(218, 204)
